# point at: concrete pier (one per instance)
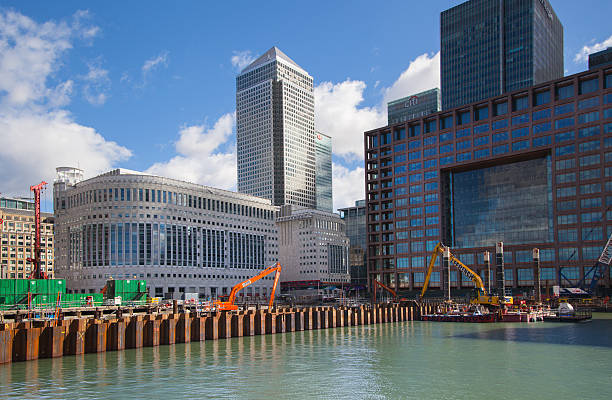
(30, 340)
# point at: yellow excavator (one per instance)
(481, 295)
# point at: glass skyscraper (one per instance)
(275, 131)
(323, 155)
(489, 47)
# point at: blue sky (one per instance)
(150, 85)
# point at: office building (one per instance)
(601, 58)
(313, 248)
(355, 221)
(179, 236)
(531, 168)
(415, 106)
(490, 47)
(275, 131)
(18, 230)
(323, 172)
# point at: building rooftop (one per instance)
(273, 54)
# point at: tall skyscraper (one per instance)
(275, 131)
(323, 156)
(489, 47)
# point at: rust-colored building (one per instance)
(531, 168)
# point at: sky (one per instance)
(150, 85)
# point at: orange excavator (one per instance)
(229, 304)
(387, 288)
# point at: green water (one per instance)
(420, 360)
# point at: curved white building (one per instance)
(179, 236)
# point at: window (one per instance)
(590, 188)
(567, 235)
(430, 164)
(446, 137)
(588, 132)
(588, 146)
(567, 219)
(447, 148)
(416, 211)
(520, 132)
(502, 123)
(398, 148)
(446, 122)
(497, 137)
(594, 202)
(431, 197)
(588, 103)
(416, 200)
(430, 152)
(430, 126)
(482, 113)
(562, 137)
(542, 141)
(520, 103)
(415, 144)
(399, 134)
(432, 220)
(566, 178)
(414, 166)
(399, 170)
(500, 108)
(566, 205)
(431, 174)
(585, 161)
(566, 191)
(481, 153)
(399, 158)
(480, 141)
(589, 86)
(564, 92)
(464, 157)
(416, 177)
(520, 119)
(447, 160)
(590, 252)
(500, 149)
(481, 129)
(538, 115)
(588, 117)
(414, 155)
(592, 233)
(414, 130)
(463, 117)
(564, 123)
(428, 141)
(431, 210)
(417, 234)
(568, 253)
(564, 150)
(463, 133)
(541, 98)
(590, 217)
(431, 186)
(466, 144)
(401, 180)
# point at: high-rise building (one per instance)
(179, 236)
(489, 47)
(18, 230)
(355, 220)
(530, 168)
(601, 58)
(415, 106)
(323, 172)
(275, 131)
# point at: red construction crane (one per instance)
(37, 272)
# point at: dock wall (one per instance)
(30, 340)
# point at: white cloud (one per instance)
(200, 158)
(583, 54)
(96, 83)
(348, 185)
(337, 113)
(241, 59)
(36, 134)
(422, 74)
(154, 63)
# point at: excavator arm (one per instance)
(439, 249)
(229, 304)
(387, 288)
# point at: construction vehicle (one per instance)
(481, 295)
(229, 304)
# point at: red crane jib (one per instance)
(37, 272)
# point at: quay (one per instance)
(115, 328)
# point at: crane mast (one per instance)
(37, 272)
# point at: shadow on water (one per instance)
(597, 332)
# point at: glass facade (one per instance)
(323, 155)
(489, 47)
(355, 221)
(508, 203)
(415, 106)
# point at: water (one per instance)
(420, 360)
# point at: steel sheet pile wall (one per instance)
(22, 341)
